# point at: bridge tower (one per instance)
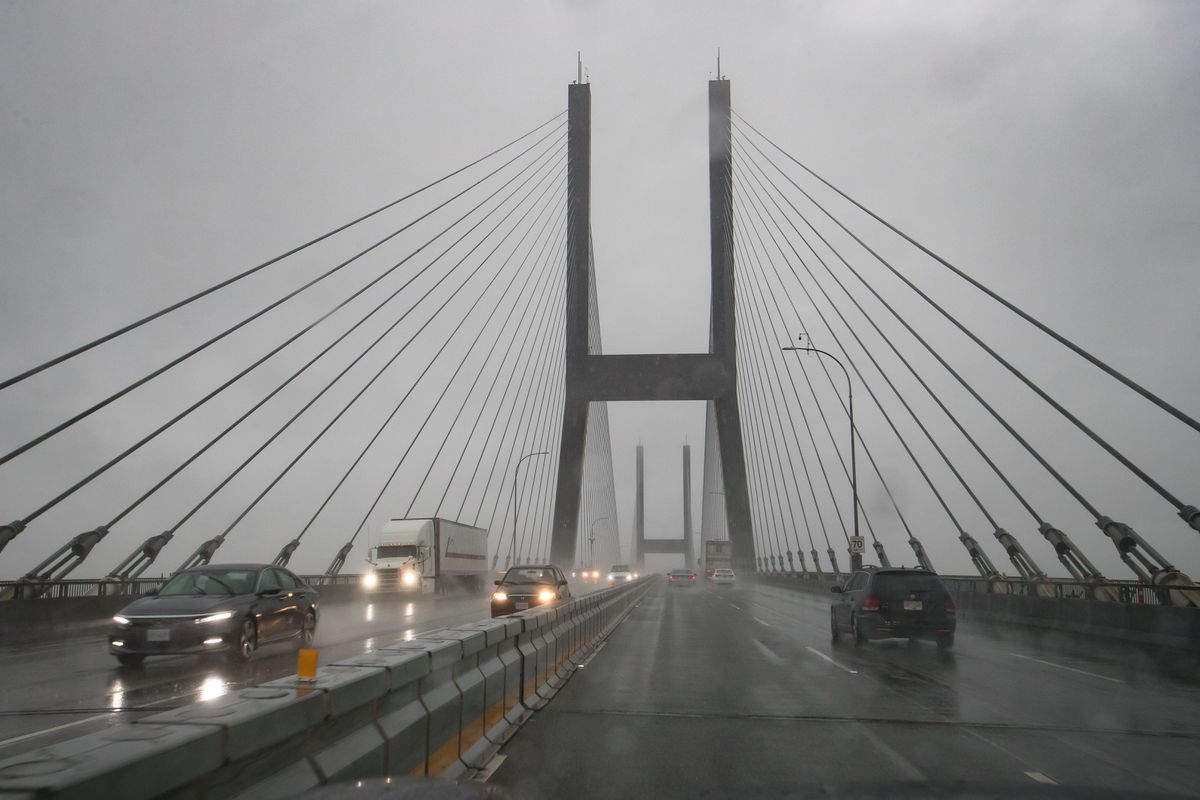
(708, 376)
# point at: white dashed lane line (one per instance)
(1066, 668)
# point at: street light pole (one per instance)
(592, 542)
(855, 558)
(512, 556)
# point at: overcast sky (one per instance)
(1050, 149)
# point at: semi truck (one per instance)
(718, 554)
(427, 555)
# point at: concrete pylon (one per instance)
(592, 377)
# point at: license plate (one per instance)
(158, 635)
(521, 606)
(912, 605)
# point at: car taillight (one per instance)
(670, 577)
(949, 603)
(871, 603)
(691, 577)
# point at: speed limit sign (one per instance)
(857, 545)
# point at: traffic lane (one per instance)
(700, 691)
(1006, 674)
(52, 693)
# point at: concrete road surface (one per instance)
(719, 692)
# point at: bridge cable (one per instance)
(495, 342)
(916, 462)
(1125, 538)
(235, 278)
(761, 292)
(1111, 371)
(820, 462)
(764, 342)
(101, 532)
(1022, 560)
(749, 339)
(296, 373)
(549, 343)
(379, 373)
(512, 386)
(1189, 513)
(542, 275)
(524, 421)
(237, 326)
(541, 374)
(760, 439)
(545, 192)
(914, 542)
(542, 293)
(924, 429)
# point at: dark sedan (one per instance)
(529, 587)
(231, 609)
(893, 603)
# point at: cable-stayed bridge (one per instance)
(448, 363)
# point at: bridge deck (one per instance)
(739, 692)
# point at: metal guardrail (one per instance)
(1136, 593)
(50, 590)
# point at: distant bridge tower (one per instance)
(708, 376)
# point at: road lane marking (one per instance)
(739, 608)
(1040, 778)
(762, 622)
(818, 653)
(770, 654)
(1068, 669)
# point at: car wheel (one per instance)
(308, 632)
(834, 631)
(860, 636)
(247, 641)
(945, 641)
(130, 659)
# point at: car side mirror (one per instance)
(150, 592)
(268, 592)
(835, 589)
(497, 581)
(562, 583)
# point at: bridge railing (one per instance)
(1109, 591)
(50, 590)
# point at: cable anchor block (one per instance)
(140, 559)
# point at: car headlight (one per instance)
(370, 580)
(409, 578)
(636, 575)
(220, 616)
(610, 577)
(500, 597)
(117, 618)
(545, 596)
(628, 577)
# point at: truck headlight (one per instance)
(409, 578)
(370, 580)
(545, 596)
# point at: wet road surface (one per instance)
(716, 691)
(58, 689)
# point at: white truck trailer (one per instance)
(427, 555)
(718, 554)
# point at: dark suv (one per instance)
(891, 603)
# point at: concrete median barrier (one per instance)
(437, 705)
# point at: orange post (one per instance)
(306, 665)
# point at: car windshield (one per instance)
(529, 575)
(894, 304)
(217, 581)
